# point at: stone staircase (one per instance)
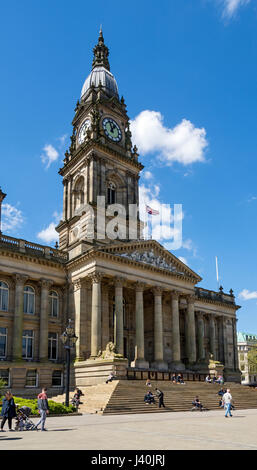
(95, 399)
(128, 397)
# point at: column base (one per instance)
(159, 365)
(140, 364)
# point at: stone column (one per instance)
(105, 317)
(44, 315)
(96, 332)
(212, 336)
(221, 340)
(69, 198)
(79, 293)
(176, 350)
(65, 189)
(200, 337)
(118, 317)
(224, 324)
(20, 280)
(140, 333)
(190, 330)
(236, 361)
(159, 362)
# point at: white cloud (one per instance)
(62, 139)
(148, 175)
(230, 7)
(184, 143)
(184, 260)
(12, 218)
(49, 156)
(165, 226)
(49, 234)
(247, 295)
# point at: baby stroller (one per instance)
(23, 423)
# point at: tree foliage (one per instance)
(252, 359)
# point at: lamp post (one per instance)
(69, 340)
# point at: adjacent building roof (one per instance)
(245, 337)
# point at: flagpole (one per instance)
(217, 272)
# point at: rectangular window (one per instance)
(57, 378)
(52, 346)
(5, 376)
(27, 344)
(31, 378)
(3, 342)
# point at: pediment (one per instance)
(151, 253)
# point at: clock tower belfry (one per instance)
(101, 169)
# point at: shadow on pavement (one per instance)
(72, 429)
(10, 438)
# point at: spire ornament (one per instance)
(101, 53)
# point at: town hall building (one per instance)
(135, 307)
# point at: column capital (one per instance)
(191, 298)
(45, 283)
(199, 314)
(20, 278)
(157, 290)
(140, 286)
(175, 295)
(96, 277)
(77, 284)
(119, 281)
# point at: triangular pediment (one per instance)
(151, 253)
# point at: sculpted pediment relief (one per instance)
(151, 253)
(151, 258)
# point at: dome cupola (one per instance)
(101, 75)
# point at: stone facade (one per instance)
(126, 291)
(246, 342)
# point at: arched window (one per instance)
(4, 296)
(54, 304)
(111, 193)
(29, 300)
(79, 193)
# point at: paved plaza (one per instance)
(181, 431)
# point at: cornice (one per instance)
(97, 145)
(34, 259)
(216, 302)
(145, 267)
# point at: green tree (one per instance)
(252, 360)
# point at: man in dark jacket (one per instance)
(160, 396)
(43, 409)
(8, 410)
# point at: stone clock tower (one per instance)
(100, 163)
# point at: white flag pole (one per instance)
(217, 272)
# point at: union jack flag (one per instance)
(151, 211)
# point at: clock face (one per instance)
(112, 130)
(83, 130)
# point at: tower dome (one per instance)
(101, 75)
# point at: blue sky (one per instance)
(187, 70)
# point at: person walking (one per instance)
(160, 396)
(43, 409)
(8, 410)
(227, 402)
